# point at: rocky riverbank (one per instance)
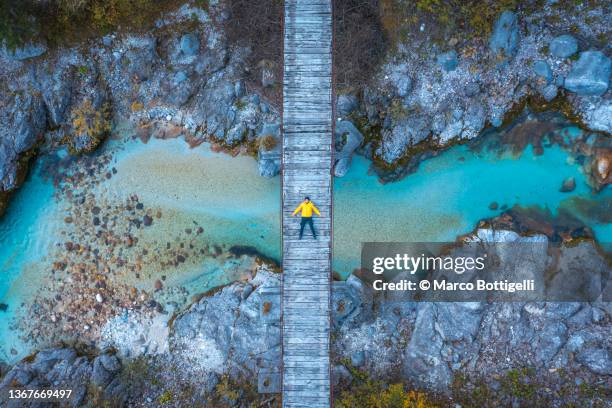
(227, 345)
(183, 78)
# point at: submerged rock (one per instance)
(569, 185)
(563, 46)
(590, 75)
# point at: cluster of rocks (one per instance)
(101, 267)
(429, 93)
(235, 333)
(181, 74)
(90, 379)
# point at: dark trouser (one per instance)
(307, 220)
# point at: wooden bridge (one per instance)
(306, 171)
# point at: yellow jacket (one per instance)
(307, 208)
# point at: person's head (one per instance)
(307, 199)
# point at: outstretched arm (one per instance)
(316, 210)
(299, 207)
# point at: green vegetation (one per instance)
(16, 25)
(67, 21)
(444, 18)
(267, 142)
(364, 392)
(165, 398)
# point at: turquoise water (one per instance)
(445, 198)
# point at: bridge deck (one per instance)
(307, 162)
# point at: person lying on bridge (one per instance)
(307, 207)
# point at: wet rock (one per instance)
(569, 185)
(590, 75)
(3, 307)
(493, 206)
(99, 298)
(448, 61)
(96, 210)
(505, 37)
(563, 46)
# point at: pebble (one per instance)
(99, 298)
(147, 220)
(158, 285)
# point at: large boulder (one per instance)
(351, 139)
(505, 37)
(563, 46)
(590, 75)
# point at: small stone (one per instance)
(3, 307)
(493, 206)
(68, 220)
(603, 167)
(147, 220)
(569, 185)
(96, 221)
(139, 206)
(96, 210)
(180, 258)
(158, 285)
(99, 298)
